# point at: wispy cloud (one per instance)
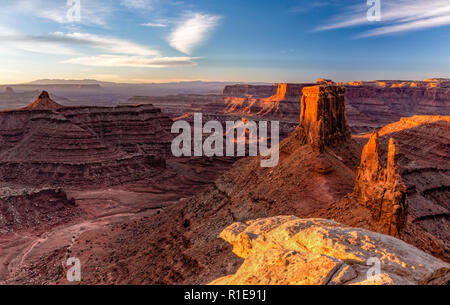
(124, 53)
(154, 25)
(139, 4)
(64, 43)
(131, 61)
(308, 6)
(192, 31)
(110, 44)
(17, 41)
(396, 16)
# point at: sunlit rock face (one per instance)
(381, 190)
(323, 116)
(289, 92)
(287, 250)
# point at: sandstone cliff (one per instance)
(287, 250)
(322, 117)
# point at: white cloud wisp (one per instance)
(192, 32)
(396, 16)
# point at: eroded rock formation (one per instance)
(287, 250)
(322, 116)
(43, 102)
(46, 144)
(381, 190)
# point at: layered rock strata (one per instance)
(135, 129)
(46, 144)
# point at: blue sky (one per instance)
(253, 40)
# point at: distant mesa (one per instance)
(323, 81)
(43, 102)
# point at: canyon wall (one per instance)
(47, 144)
(369, 104)
(138, 129)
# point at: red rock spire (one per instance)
(381, 190)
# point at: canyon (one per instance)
(103, 186)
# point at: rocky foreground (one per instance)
(287, 250)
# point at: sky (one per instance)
(141, 41)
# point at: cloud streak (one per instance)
(138, 4)
(111, 44)
(131, 61)
(192, 32)
(154, 25)
(122, 53)
(64, 42)
(396, 17)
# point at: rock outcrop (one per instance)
(322, 117)
(43, 102)
(30, 209)
(381, 190)
(323, 81)
(287, 250)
